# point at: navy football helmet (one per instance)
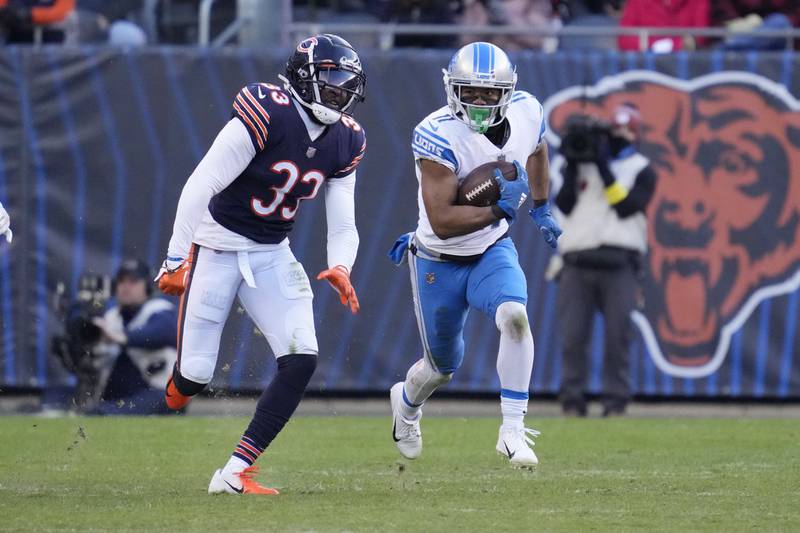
(324, 74)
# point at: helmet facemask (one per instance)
(329, 88)
(337, 88)
(478, 117)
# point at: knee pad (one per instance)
(295, 370)
(198, 369)
(443, 379)
(186, 386)
(423, 374)
(512, 319)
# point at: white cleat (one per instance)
(406, 433)
(515, 443)
(238, 483)
(219, 485)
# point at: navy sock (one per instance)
(185, 386)
(276, 405)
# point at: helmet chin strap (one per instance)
(321, 113)
(324, 114)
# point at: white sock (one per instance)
(514, 361)
(409, 411)
(234, 465)
(421, 381)
(514, 411)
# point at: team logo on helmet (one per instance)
(724, 222)
(307, 45)
(352, 63)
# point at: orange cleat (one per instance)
(251, 486)
(175, 400)
(240, 483)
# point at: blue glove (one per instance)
(547, 224)
(398, 254)
(512, 193)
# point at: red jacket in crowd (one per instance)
(661, 13)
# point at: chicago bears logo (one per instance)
(724, 223)
(307, 45)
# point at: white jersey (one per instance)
(443, 139)
(592, 221)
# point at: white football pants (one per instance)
(273, 289)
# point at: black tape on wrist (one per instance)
(498, 212)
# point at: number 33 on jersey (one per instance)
(262, 202)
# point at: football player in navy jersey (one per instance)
(281, 145)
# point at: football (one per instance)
(479, 187)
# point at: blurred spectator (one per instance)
(474, 13)
(105, 22)
(85, 27)
(359, 12)
(664, 13)
(524, 14)
(122, 358)
(139, 335)
(420, 12)
(126, 33)
(755, 15)
(18, 18)
(570, 9)
(589, 14)
(606, 186)
(112, 11)
(723, 11)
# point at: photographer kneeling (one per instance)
(606, 186)
(138, 342)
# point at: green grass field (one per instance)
(343, 473)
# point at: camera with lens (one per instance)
(585, 138)
(75, 345)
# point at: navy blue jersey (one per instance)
(262, 202)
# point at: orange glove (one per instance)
(339, 279)
(174, 276)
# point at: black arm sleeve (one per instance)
(567, 194)
(639, 195)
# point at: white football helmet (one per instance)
(479, 65)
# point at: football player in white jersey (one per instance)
(460, 256)
(5, 224)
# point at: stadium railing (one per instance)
(385, 33)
